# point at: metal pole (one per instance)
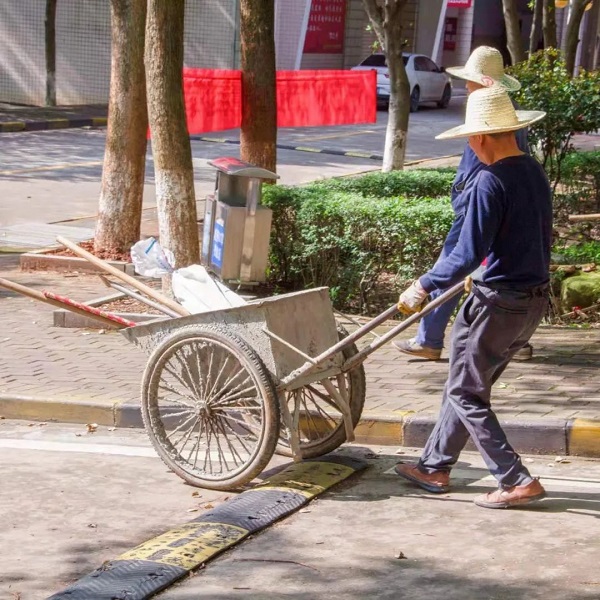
(362, 355)
(355, 360)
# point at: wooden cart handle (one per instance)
(132, 281)
(31, 293)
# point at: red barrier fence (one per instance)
(213, 98)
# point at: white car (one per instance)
(428, 82)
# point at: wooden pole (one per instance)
(590, 217)
(132, 281)
(31, 293)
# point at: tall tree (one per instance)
(577, 9)
(50, 49)
(259, 106)
(386, 20)
(549, 24)
(120, 210)
(513, 31)
(171, 148)
(536, 25)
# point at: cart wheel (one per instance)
(210, 408)
(321, 427)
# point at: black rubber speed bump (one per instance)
(156, 564)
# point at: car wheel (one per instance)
(445, 99)
(415, 96)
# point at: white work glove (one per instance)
(412, 298)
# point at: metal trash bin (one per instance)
(235, 241)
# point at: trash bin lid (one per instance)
(234, 166)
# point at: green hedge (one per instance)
(336, 233)
(415, 183)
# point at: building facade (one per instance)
(310, 34)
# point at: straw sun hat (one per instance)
(485, 66)
(490, 110)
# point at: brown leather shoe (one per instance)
(436, 483)
(514, 496)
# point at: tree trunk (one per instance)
(549, 24)
(386, 21)
(120, 210)
(176, 202)
(572, 37)
(50, 46)
(536, 26)
(258, 135)
(513, 31)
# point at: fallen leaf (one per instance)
(399, 555)
(91, 427)
(209, 505)
(196, 494)
(2, 417)
(192, 510)
(92, 525)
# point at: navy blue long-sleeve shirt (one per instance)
(508, 220)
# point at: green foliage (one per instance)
(581, 176)
(578, 254)
(340, 234)
(415, 183)
(571, 105)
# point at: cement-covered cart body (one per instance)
(224, 390)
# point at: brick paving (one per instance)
(562, 381)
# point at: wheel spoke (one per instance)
(180, 426)
(232, 448)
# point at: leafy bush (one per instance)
(571, 105)
(415, 183)
(326, 236)
(581, 176)
(577, 254)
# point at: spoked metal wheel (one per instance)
(321, 426)
(210, 408)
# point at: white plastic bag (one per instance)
(198, 292)
(150, 260)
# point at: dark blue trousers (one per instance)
(492, 324)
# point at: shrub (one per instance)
(581, 176)
(326, 236)
(416, 183)
(571, 105)
(577, 254)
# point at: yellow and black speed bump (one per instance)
(156, 564)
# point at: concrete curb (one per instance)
(334, 151)
(564, 437)
(45, 124)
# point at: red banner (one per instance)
(459, 3)
(313, 98)
(213, 98)
(326, 27)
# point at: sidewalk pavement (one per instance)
(549, 405)
(36, 118)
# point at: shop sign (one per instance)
(459, 3)
(326, 27)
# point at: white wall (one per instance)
(23, 63)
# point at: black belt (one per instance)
(537, 291)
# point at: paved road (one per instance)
(72, 499)
(54, 176)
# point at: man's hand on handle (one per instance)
(411, 299)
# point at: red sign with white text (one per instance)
(459, 3)
(326, 26)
